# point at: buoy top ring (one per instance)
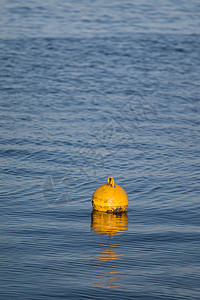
(111, 181)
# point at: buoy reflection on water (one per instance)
(109, 225)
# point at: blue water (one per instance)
(91, 89)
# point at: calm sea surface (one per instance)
(91, 89)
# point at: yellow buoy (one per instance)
(110, 197)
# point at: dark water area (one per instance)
(89, 90)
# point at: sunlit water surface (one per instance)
(91, 90)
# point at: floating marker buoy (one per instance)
(110, 197)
